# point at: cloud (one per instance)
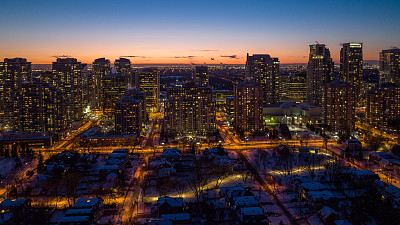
(183, 57)
(132, 56)
(61, 56)
(230, 56)
(204, 50)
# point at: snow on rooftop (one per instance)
(326, 211)
(176, 217)
(174, 202)
(313, 186)
(72, 219)
(9, 203)
(86, 203)
(393, 191)
(251, 211)
(245, 201)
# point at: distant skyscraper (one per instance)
(150, 84)
(128, 116)
(383, 107)
(338, 107)
(248, 108)
(101, 69)
(389, 64)
(123, 66)
(319, 72)
(13, 73)
(201, 76)
(40, 108)
(114, 88)
(294, 88)
(68, 79)
(190, 111)
(264, 70)
(351, 66)
(141, 95)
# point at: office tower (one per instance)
(114, 88)
(294, 88)
(128, 116)
(319, 72)
(123, 66)
(68, 79)
(389, 65)
(101, 69)
(351, 66)
(264, 70)
(383, 107)
(201, 76)
(150, 84)
(338, 107)
(190, 111)
(40, 108)
(13, 73)
(248, 108)
(136, 94)
(87, 87)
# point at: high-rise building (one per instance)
(248, 108)
(136, 94)
(293, 88)
(201, 76)
(123, 66)
(190, 111)
(389, 65)
(128, 116)
(264, 70)
(40, 108)
(150, 84)
(338, 107)
(351, 66)
(383, 107)
(319, 72)
(101, 69)
(13, 73)
(68, 79)
(114, 88)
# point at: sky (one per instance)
(212, 32)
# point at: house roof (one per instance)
(326, 211)
(78, 212)
(86, 203)
(176, 216)
(173, 202)
(313, 186)
(10, 203)
(251, 211)
(393, 191)
(72, 219)
(245, 201)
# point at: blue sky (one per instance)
(169, 31)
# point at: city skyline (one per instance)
(187, 32)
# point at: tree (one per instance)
(199, 178)
(70, 183)
(310, 163)
(333, 168)
(220, 172)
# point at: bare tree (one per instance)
(70, 183)
(220, 172)
(333, 168)
(199, 178)
(310, 163)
